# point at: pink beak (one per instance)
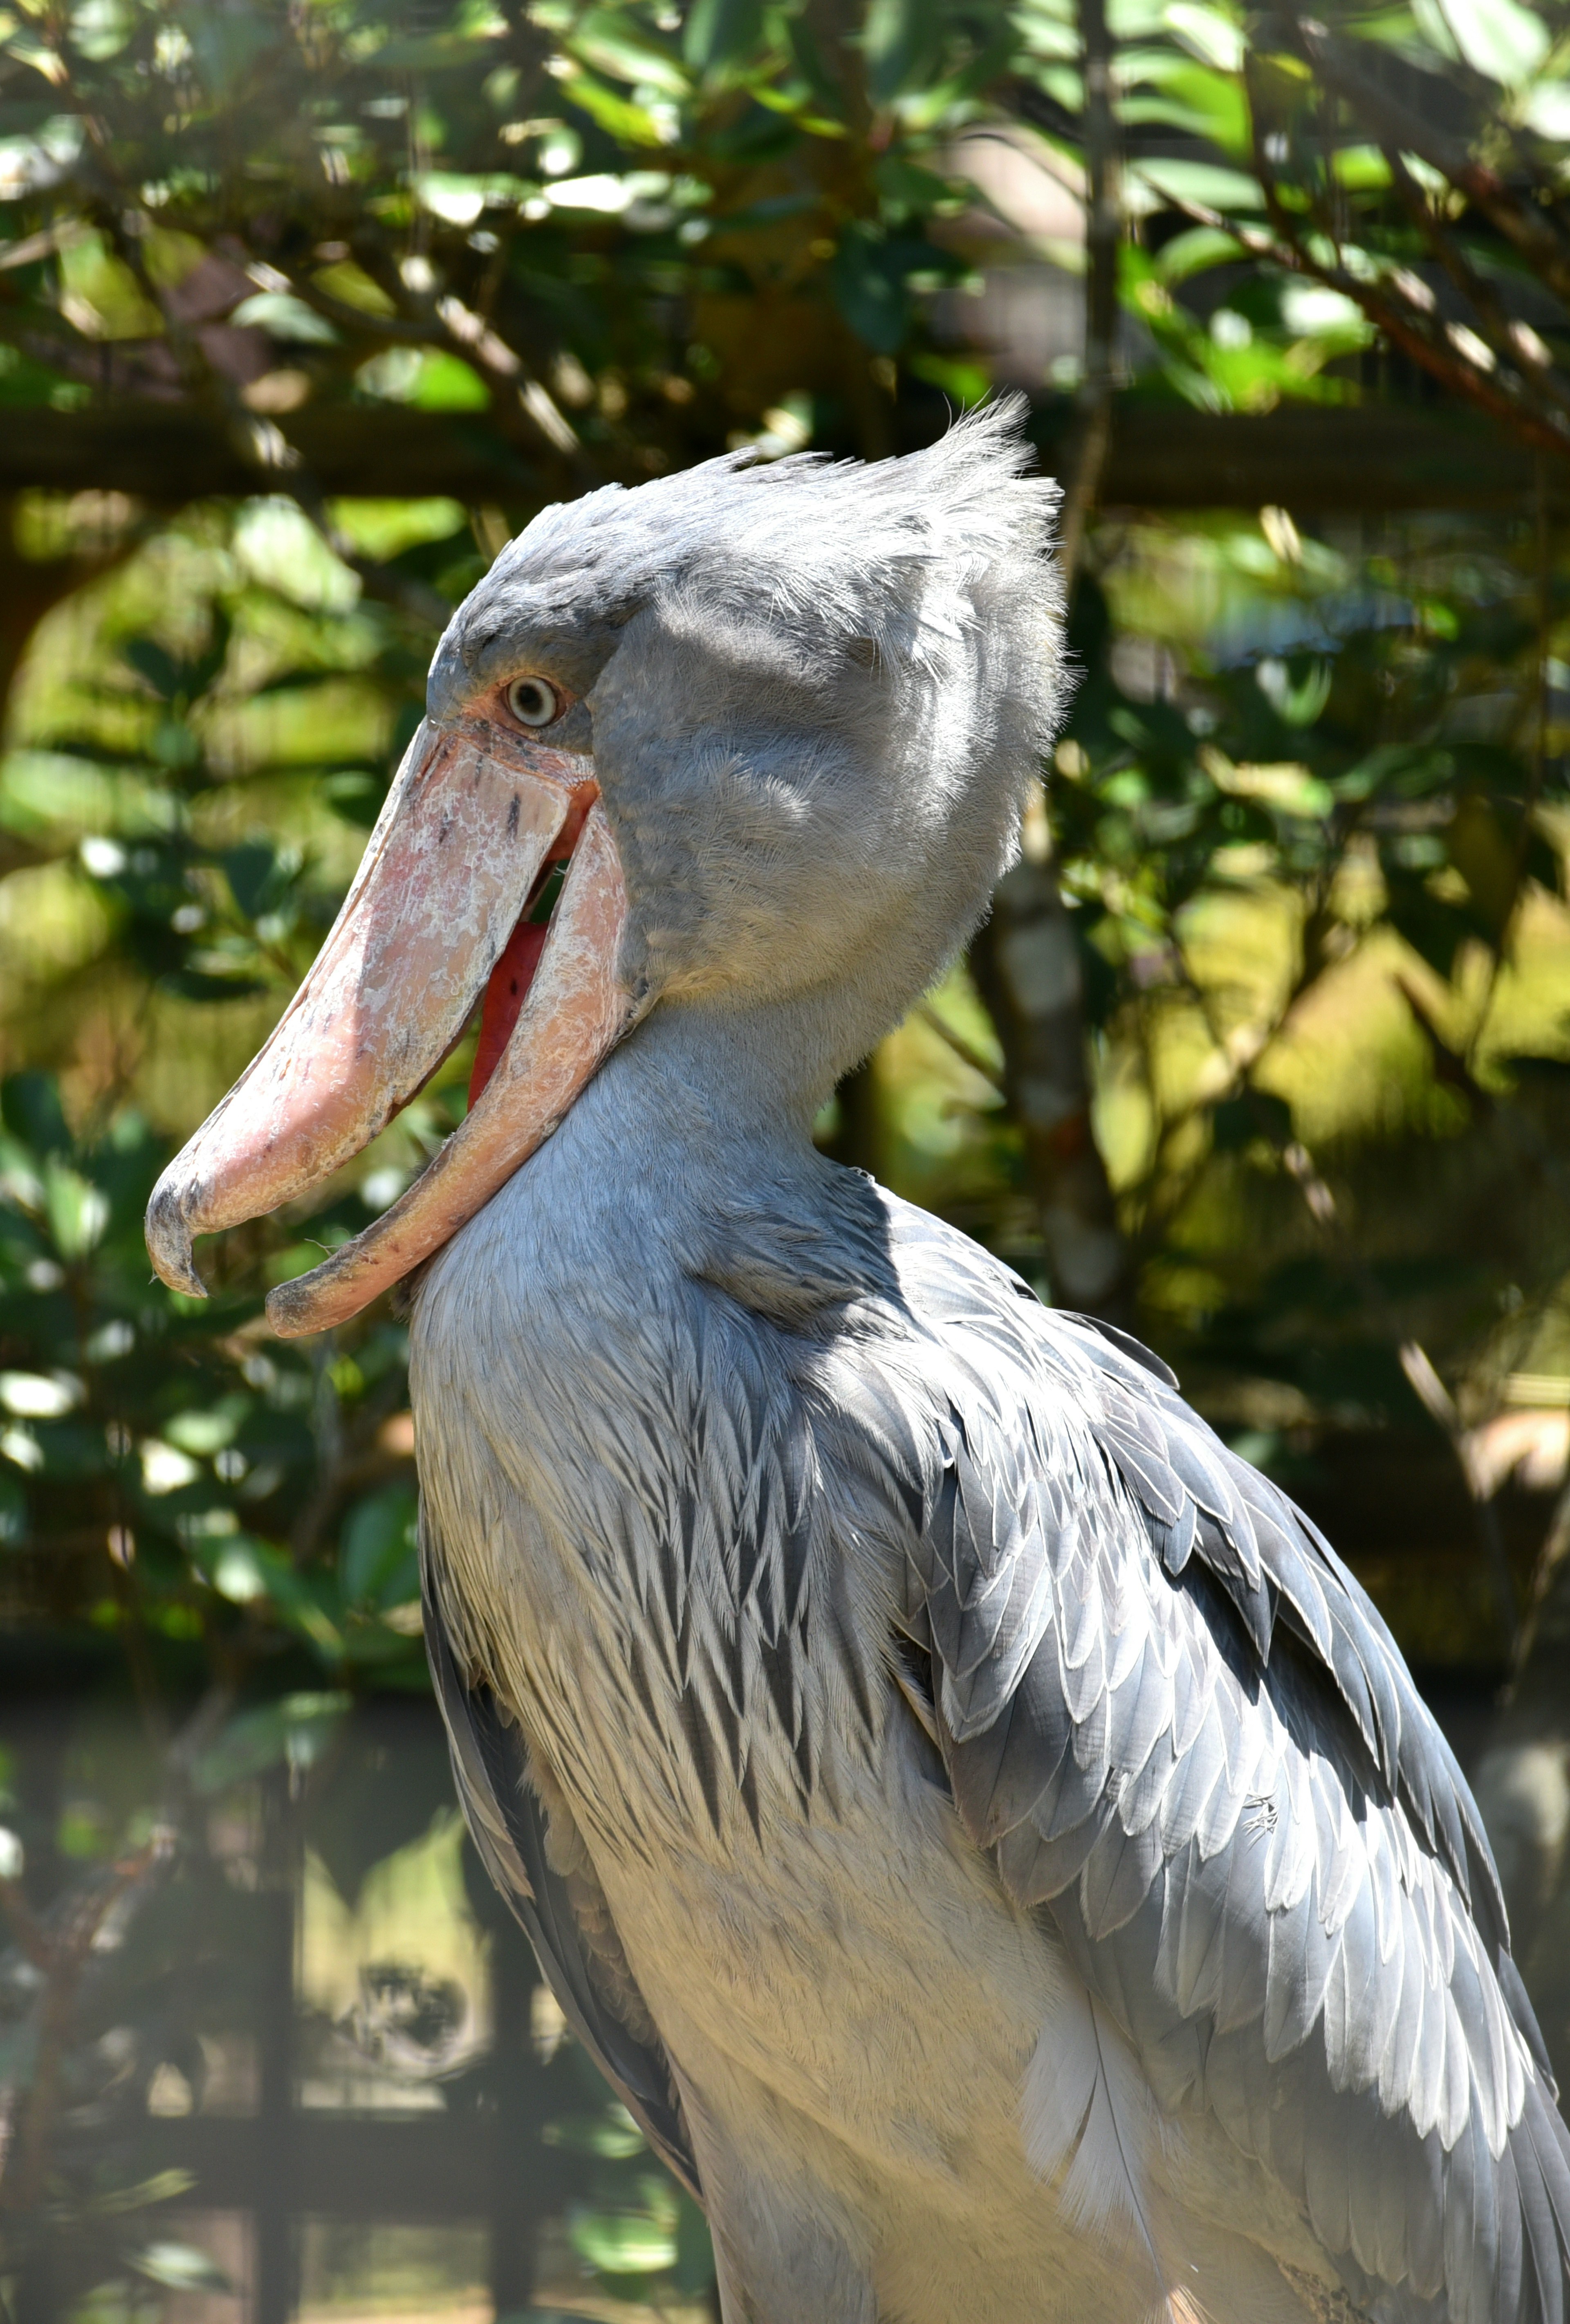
(474, 818)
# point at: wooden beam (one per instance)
(1309, 458)
(1320, 458)
(167, 455)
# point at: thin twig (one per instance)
(1502, 330)
(963, 1049)
(1534, 231)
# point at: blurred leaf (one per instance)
(180, 2266)
(868, 284)
(154, 663)
(718, 32)
(30, 1108)
(294, 1730)
(1497, 37)
(162, 2187)
(898, 41)
(379, 1563)
(77, 1211)
(622, 2243)
(1237, 1122)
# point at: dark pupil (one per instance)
(530, 701)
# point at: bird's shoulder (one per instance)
(1181, 1726)
(1067, 1446)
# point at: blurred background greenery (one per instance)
(304, 310)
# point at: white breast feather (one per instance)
(1086, 2116)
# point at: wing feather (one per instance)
(505, 1816)
(1189, 1735)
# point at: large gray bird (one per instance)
(974, 1820)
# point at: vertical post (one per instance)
(513, 1976)
(276, 1910)
(1026, 959)
(1026, 964)
(1092, 432)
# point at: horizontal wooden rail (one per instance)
(1308, 457)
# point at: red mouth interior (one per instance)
(505, 995)
(514, 973)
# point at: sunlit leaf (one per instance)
(180, 2266)
(1208, 32)
(617, 43)
(1500, 38)
(622, 2243)
(285, 317)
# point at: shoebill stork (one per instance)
(973, 1819)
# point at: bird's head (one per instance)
(779, 723)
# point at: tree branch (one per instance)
(1532, 230)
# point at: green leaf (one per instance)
(181, 2266)
(622, 2243)
(295, 1729)
(619, 45)
(30, 1108)
(379, 1559)
(1210, 34)
(76, 1210)
(719, 33)
(1202, 182)
(156, 665)
(1194, 252)
(616, 115)
(163, 2187)
(227, 45)
(695, 2264)
(1546, 109)
(285, 317)
(1189, 97)
(868, 287)
(1238, 1120)
(968, 383)
(1498, 37)
(898, 39)
(612, 2133)
(431, 379)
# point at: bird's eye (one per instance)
(532, 702)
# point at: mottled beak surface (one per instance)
(439, 911)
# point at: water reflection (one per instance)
(270, 2048)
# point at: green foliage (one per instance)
(538, 215)
(1310, 811)
(1314, 826)
(182, 1478)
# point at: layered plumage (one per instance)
(976, 1823)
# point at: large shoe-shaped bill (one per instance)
(437, 914)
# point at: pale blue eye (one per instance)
(532, 702)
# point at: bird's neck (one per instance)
(712, 1076)
(693, 1137)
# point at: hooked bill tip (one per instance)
(169, 1241)
(288, 1309)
